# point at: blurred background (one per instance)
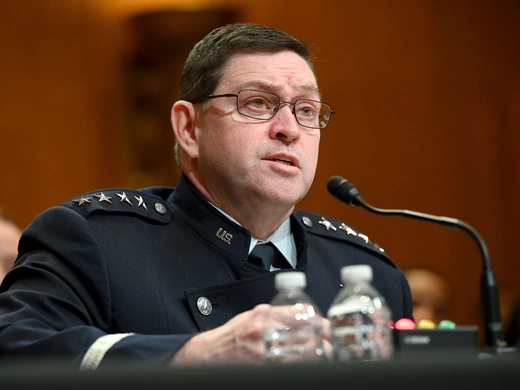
(426, 94)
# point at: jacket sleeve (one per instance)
(55, 303)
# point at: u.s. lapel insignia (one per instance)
(141, 202)
(103, 198)
(82, 200)
(348, 229)
(124, 198)
(327, 224)
(224, 236)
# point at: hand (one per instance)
(238, 340)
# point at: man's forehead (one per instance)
(270, 72)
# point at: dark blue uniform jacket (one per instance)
(122, 260)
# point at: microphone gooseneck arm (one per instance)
(346, 192)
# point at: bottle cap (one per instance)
(356, 272)
(290, 279)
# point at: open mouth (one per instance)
(283, 161)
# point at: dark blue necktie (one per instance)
(265, 255)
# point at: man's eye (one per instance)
(306, 111)
(257, 103)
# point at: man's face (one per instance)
(431, 295)
(9, 236)
(245, 162)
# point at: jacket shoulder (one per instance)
(147, 203)
(335, 229)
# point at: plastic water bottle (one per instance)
(360, 319)
(293, 326)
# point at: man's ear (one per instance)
(183, 124)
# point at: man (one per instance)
(162, 274)
(431, 293)
(9, 236)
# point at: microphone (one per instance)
(346, 192)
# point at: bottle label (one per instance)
(351, 305)
(358, 336)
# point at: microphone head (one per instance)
(344, 190)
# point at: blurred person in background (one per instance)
(9, 236)
(431, 293)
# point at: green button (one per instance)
(446, 324)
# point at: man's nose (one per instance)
(285, 124)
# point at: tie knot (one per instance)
(265, 255)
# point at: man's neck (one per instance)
(257, 233)
(261, 220)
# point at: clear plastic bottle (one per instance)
(293, 327)
(360, 319)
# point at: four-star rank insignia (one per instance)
(344, 227)
(123, 198)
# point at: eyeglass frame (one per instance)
(278, 106)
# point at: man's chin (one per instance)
(284, 196)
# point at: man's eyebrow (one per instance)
(309, 87)
(273, 87)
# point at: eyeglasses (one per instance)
(262, 105)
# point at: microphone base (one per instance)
(489, 352)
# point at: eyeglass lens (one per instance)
(264, 105)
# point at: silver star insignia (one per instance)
(348, 229)
(327, 224)
(363, 237)
(103, 198)
(141, 202)
(82, 200)
(124, 198)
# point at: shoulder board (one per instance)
(121, 201)
(335, 229)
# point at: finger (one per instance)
(326, 329)
(327, 348)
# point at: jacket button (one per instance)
(159, 207)
(307, 221)
(204, 306)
